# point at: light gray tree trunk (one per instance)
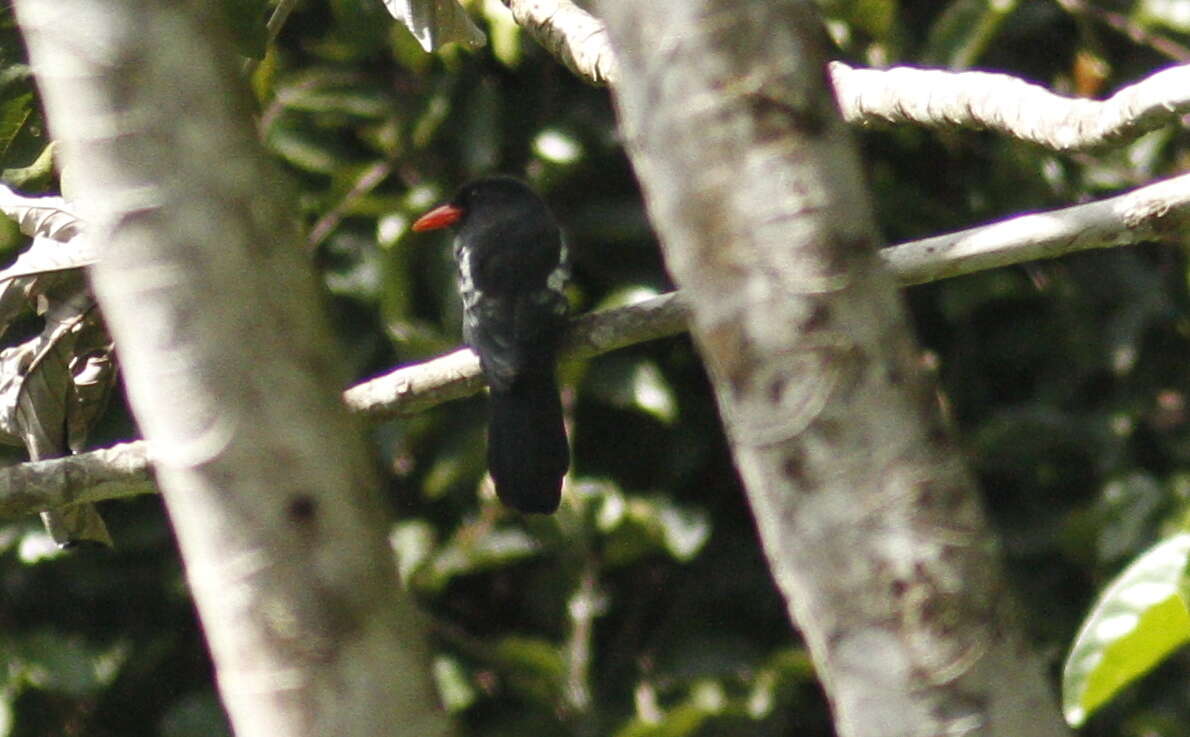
(230, 371)
(870, 521)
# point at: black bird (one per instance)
(512, 268)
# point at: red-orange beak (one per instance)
(439, 217)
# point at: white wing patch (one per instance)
(555, 283)
(467, 289)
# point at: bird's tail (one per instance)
(527, 450)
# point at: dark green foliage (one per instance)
(645, 606)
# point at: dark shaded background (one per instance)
(1067, 380)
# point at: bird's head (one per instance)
(485, 201)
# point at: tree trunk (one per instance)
(230, 371)
(870, 521)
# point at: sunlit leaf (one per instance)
(466, 554)
(454, 687)
(684, 530)
(874, 17)
(1137, 622)
(69, 664)
(14, 112)
(307, 148)
(685, 719)
(625, 296)
(1173, 15)
(427, 123)
(784, 671)
(413, 542)
(532, 655)
(326, 91)
(557, 147)
(51, 217)
(633, 383)
(1129, 506)
(6, 715)
(640, 526)
(356, 269)
(504, 33)
(436, 22)
(41, 168)
(37, 546)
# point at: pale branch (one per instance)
(933, 98)
(411, 389)
(570, 33)
(1154, 212)
(943, 99)
(1157, 211)
(110, 473)
(126, 469)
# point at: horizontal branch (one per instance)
(1155, 212)
(110, 473)
(938, 98)
(411, 389)
(933, 98)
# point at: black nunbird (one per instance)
(512, 268)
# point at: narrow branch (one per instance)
(1155, 212)
(118, 471)
(1011, 106)
(412, 389)
(933, 98)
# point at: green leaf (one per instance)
(68, 664)
(684, 530)
(504, 33)
(466, 553)
(638, 526)
(965, 30)
(532, 655)
(14, 112)
(413, 542)
(874, 17)
(632, 383)
(454, 686)
(436, 22)
(6, 716)
(533, 666)
(1173, 15)
(1138, 621)
(706, 700)
(27, 176)
(332, 91)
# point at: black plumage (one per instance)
(511, 274)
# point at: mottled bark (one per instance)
(870, 521)
(230, 371)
